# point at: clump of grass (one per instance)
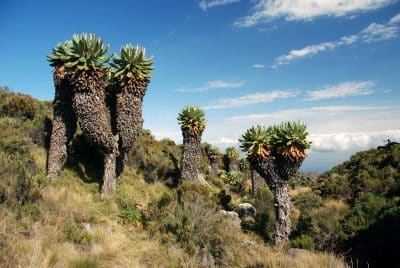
(84, 263)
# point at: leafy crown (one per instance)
(132, 62)
(192, 117)
(83, 52)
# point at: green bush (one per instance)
(235, 180)
(158, 160)
(303, 241)
(19, 105)
(363, 214)
(307, 201)
(303, 180)
(265, 216)
(373, 171)
(248, 223)
(132, 216)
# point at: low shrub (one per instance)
(19, 105)
(191, 219)
(303, 241)
(130, 216)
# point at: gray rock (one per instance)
(246, 209)
(231, 215)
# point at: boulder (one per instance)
(246, 209)
(231, 215)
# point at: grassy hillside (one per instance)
(151, 221)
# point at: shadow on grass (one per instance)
(86, 160)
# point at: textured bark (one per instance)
(191, 154)
(89, 103)
(129, 121)
(233, 165)
(63, 124)
(90, 108)
(277, 170)
(256, 181)
(283, 208)
(109, 175)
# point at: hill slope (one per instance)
(68, 223)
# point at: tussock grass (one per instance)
(299, 191)
(73, 225)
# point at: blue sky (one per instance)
(333, 64)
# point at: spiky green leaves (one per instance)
(291, 134)
(256, 141)
(214, 153)
(288, 139)
(83, 52)
(132, 62)
(232, 153)
(60, 54)
(192, 118)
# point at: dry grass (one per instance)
(72, 225)
(336, 204)
(299, 191)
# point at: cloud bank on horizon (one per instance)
(332, 128)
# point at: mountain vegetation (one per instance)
(83, 185)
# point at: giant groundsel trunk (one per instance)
(89, 103)
(129, 121)
(256, 181)
(63, 124)
(276, 171)
(214, 162)
(233, 165)
(191, 154)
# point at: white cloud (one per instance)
(373, 33)
(301, 114)
(331, 128)
(258, 66)
(260, 97)
(306, 51)
(395, 19)
(216, 84)
(343, 141)
(267, 10)
(341, 90)
(204, 5)
(379, 32)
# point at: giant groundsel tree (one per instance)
(64, 119)
(131, 74)
(232, 157)
(192, 122)
(277, 153)
(81, 79)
